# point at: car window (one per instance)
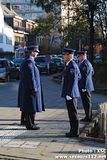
(3, 64)
(40, 59)
(17, 60)
(56, 60)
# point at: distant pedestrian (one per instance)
(70, 90)
(86, 84)
(30, 97)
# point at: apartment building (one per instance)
(21, 27)
(6, 35)
(25, 8)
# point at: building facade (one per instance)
(6, 35)
(25, 8)
(21, 28)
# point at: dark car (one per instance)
(17, 62)
(58, 62)
(44, 64)
(8, 70)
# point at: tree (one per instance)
(88, 9)
(49, 5)
(101, 18)
(46, 29)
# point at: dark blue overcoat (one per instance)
(29, 95)
(87, 72)
(70, 80)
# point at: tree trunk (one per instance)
(91, 50)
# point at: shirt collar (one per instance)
(83, 61)
(32, 58)
(68, 62)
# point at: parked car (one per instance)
(17, 62)
(8, 70)
(44, 64)
(58, 62)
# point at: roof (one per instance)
(8, 12)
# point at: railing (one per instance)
(19, 28)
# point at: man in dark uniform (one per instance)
(29, 95)
(85, 84)
(70, 90)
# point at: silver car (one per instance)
(8, 70)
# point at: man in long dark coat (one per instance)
(30, 98)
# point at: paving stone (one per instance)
(30, 144)
(14, 144)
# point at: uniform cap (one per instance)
(81, 53)
(68, 50)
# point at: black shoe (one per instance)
(70, 135)
(86, 119)
(22, 124)
(33, 128)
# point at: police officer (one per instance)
(70, 90)
(29, 95)
(85, 84)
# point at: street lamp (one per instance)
(68, 5)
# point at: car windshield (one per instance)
(40, 59)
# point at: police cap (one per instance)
(79, 53)
(32, 48)
(68, 51)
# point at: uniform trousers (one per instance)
(73, 117)
(86, 100)
(29, 119)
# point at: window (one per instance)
(8, 40)
(17, 39)
(1, 38)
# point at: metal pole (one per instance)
(68, 22)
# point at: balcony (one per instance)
(19, 28)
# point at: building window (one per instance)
(17, 23)
(17, 39)
(1, 38)
(28, 26)
(8, 40)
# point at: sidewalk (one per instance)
(48, 143)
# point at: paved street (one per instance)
(49, 143)
(51, 90)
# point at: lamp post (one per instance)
(68, 16)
